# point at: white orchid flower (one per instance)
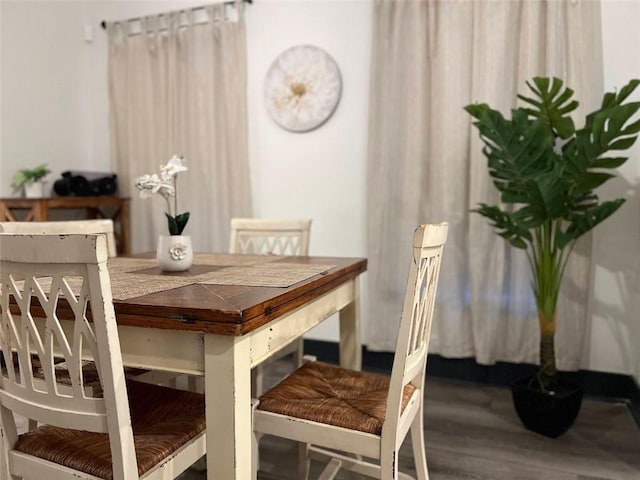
(167, 190)
(174, 166)
(149, 182)
(166, 186)
(146, 193)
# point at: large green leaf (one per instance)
(552, 106)
(582, 223)
(506, 225)
(516, 150)
(605, 130)
(611, 98)
(550, 193)
(608, 162)
(547, 171)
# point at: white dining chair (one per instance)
(345, 416)
(133, 430)
(100, 226)
(263, 236)
(65, 227)
(91, 226)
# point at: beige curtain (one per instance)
(178, 86)
(430, 59)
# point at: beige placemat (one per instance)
(126, 283)
(123, 285)
(124, 264)
(273, 274)
(228, 260)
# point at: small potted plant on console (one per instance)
(30, 181)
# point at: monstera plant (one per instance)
(546, 171)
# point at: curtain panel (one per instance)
(178, 86)
(425, 165)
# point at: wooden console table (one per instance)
(38, 211)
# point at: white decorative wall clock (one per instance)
(302, 88)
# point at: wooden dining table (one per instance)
(224, 316)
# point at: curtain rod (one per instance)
(103, 23)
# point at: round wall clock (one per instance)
(302, 88)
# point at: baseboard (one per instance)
(634, 401)
(608, 386)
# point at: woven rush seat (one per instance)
(328, 394)
(163, 420)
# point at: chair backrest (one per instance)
(100, 226)
(266, 236)
(56, 300)
(415, 324)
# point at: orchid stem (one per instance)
(175, 195)
(166, 197)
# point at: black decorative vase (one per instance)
(549, 413)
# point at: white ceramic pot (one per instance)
(174, 253)
(34, 190)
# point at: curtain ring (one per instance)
(115, 33)
(149, 27)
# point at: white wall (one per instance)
(323, 170)
(45, 103)
(53, 108)
(615, 328)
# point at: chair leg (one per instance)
(31, 424)
(4, 462)
(417, 444)
(255, 443)
(257, 381)
(195, 384)
(389, 465)
(303, 461)
(255, 461)
(298, 353)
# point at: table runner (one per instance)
(135, 277)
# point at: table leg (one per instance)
(228, 402)
(41, 211)
(350, 335)
(125, 241)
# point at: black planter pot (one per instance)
(548, 413)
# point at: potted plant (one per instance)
(174, 252)
(30, 180)
(546, 172)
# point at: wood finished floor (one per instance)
(472, 433)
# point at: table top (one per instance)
(64, 202)
(193, 300)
